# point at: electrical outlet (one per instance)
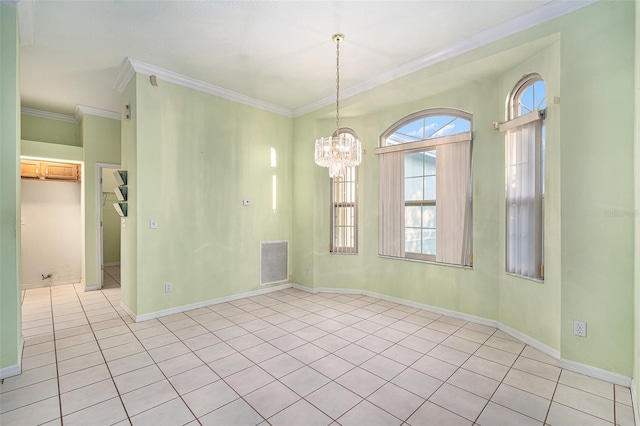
(168, 287)
(580, 328)
(308, 270)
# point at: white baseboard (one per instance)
(128, 310)
(577, 367)
(31, 286)
(14, 370)
(10, 371)
(92, 288)
(545, 349)
(417, 305)
(178, 309)
(595, 372)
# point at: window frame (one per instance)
(423, 145)
(334, 248)
(429, 112)
(419, 203)
(516, 119)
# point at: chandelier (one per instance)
(341, 150)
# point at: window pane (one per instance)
(429, 188)
(430, 162)
(345, 237)
(539, 95)
(412, 240)
(412, 216)
(338, 190)
(428, 217)
(429, 127)
(413, 188)
(343, 212)
(411, 132)
(428, 241)
(344, 216)
(413, 164)
(443, 125)
(532, 97)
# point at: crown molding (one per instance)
(520, 23)
(537, 16)
(132, 66)
(81, 110)
(49, 115)
(126, 73)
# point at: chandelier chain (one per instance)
(338, 84)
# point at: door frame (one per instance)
(99, 227)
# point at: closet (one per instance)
(51, 225)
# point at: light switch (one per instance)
(153, 223)
(246, 202)
(22, 221)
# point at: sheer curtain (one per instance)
(524, 194)
(391, 204)
(453, 205)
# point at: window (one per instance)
(420, 204)
(524, 175)
(344, 208)
(425, 187)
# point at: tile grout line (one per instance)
(497, 387)
(161, 371)
(349, 342)
(105, 362)
(55, 355)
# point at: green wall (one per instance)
(586, 59)
(50, 131)
(10, 314)
(597, 176)
(129, 231)
(636, 353)
(51, 150)
(192, 158)
(101, 142)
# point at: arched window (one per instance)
(427, 124)
(344, 206)
(425, 190)
(524, 186)
(528, 95)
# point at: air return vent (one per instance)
(274, 262)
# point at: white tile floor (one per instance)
(286, 358)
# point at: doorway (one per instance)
(108, 227)
(51, 222)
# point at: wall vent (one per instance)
(274, 262)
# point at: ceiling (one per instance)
(278, 52)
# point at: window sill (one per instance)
(430, 262)
(535, 280)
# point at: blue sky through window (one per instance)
(532, 98)
(430, 127)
